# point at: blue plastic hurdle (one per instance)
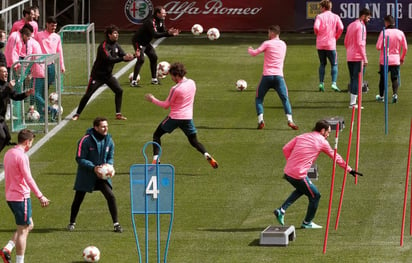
(152, 193)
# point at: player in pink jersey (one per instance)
(397, 50)
(272, 77)
(18, 185)
(328, 27)
(28, 18)
(300, 153)
(355, 44)
(180, 101)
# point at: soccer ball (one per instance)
(53, 97)
(163, 69)
(241, 85)
(131, 77)
(55, 108)
(91, 254)
(32, 114)
(107, 170)
(197, 29)
(213, 33)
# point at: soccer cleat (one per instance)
(155, 82)
(118, 228)
(280, 216)
(310, 225)
(157, 161)
(119, 116)
(395, 98)
(75, 117)
(212, 162)
(335, 88)
(261, 125)
(5, 255)
(292, 125)
(379, 98)
(134, 84)
(70, 227)
(321, 87)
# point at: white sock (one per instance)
(333, 83)
(206, 154)
(155, 157)
(289, 117)
(353, 99)
(154, 79)
(260, 118)
(10, 245)
(20, 259)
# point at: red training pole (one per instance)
(332, 183)
(359, 120)
(406, 185)
(345, 173)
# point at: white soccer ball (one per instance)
(163, 69)
(197, 29)
(32, 114)
(131, 77)
(241, 85)
(213, 33)
(55, 108)
(53, 97)
(107, 171)
(91, 254)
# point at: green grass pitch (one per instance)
(219, 214)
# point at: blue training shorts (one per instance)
(187, 126)
(21, 211)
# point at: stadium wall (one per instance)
(244, 15)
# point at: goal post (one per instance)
(79, 50)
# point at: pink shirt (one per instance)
(275, 52)
(328, 28)
(37, 70)
(20, 23)
(51, 44)
(180, 100)
(303, 150)
(355, 42)
(17, 175)
(397, 44)
(14, 48)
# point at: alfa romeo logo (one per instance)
(138, 10)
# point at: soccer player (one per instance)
(300, 153)
(396, 56)
(28, 18)
(95, 148)
(151, 28)
(18, 185)
(180, 101)
(6, 93)
(18, 45)
(109, 53)
(355, 44)
(328, 28)
(272, 78)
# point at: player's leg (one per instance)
(114, 85)
(4, 135)
(106, 189)
(282, 91)
(38, 84)
(91, 88)
(261, 91)
(322, 66)
(139, 63)
(395, 82)
(354, 70)
(151, 53)
(77, 201)
(379, 97)
(166, 126)
(333, 59)
(295, 195)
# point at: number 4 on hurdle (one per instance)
(152, 193)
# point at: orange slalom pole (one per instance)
(345, 173)
(406, 186)
(332, 183)
(359, 120)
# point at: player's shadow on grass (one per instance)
(225, 128)
(230, 230)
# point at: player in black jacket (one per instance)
(153, 27)
(109, 53)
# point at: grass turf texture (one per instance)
(219, 214)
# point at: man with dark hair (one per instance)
(328, 27)
(180, 101)
(109, 53)
(300, 153)
(355, 44)
(153, 27)
(28, 18)
(396, 53)
(272, 77)
(94, 149)
(3, 61)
